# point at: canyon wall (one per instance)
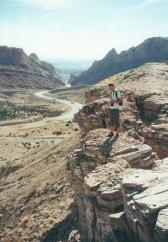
(20, 70)
(121, 196)
(151, 50)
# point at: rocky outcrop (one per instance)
(19, 70)
(151, 50)
(120, 184)
(97, 114)
(157, 136)
(96, 171)
(121, 189)
(144, 113)
(146, 201)
(153, 106)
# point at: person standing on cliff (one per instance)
(115, 103)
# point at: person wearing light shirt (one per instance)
(115, 106)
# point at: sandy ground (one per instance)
(75, 94)
(33, 182)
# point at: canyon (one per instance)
(72, 181)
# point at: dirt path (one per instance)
(74, 106)
(67, 116)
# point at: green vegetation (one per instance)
(9, 110)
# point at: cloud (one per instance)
(142, 5)
(49, 4)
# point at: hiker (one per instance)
(115, 102)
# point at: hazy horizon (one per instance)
(80, 29)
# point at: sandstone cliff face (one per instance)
(120, 185)
(107, 189)
(19, 70)
(146, 200)
(151, 50)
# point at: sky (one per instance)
(80, 29)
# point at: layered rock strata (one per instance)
(20, 70)
(157, 136)
(120, 185)
(145, 110)
(145, 195)
(97, 114)
(96, 171)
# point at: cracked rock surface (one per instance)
(121, 185)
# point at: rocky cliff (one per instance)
(19, 70)
(151, 50)
(119, 197)
(120, 185)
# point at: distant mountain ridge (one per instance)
(151, 50)
(20, 70)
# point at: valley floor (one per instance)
(35, 194)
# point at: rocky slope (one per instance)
(151, 50)
(120, 185)
(145, 91)
(19, 70)
(36, 199)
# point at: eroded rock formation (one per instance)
(120, 185)
(151, 50)
(145, 110)
(145, 195)
(19, 70)
(107, 188)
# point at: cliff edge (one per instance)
(120, 185)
